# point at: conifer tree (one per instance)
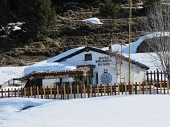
(109, 9)
(38, 17)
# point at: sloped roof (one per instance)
(102, 52)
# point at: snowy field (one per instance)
(117, 111)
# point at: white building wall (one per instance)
(137, 74)
(108, 64)
(100, 66)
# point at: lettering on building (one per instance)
(103, 61)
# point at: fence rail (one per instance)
(87, 91)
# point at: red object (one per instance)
(68, 91)
(2, 92)
(54, 89)
(107, 89)
(61, 92)
(88, 91)
(28, 91)
(115, 88)
(157, 87)
(74, 91)
(34, 92)
(94, 90)
(164, 86)
(150, 87)
(47, 93)
(129, 88)
(15, 91)
(8, 93)
(143, 87)
(122, 87)
(41, 92)
(101, 89)
(136, 88)
(81, 91)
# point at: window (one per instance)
(88, 57)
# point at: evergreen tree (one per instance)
(109, 9)
(7, 16)
(38, 17)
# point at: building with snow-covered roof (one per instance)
(90, 65)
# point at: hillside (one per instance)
(70, 33)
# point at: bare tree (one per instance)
(158, 23)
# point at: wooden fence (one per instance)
(155, 76)
(87, 91)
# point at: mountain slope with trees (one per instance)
(50, 27)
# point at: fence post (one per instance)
(107, 90)
(136, 88)
(161, 87)
(34, 90)
(61, 92)
(8, 93)
(77, 91)
(37, 91)
(44, 92)
(51, 92)
(153, 87)
(18, 92)
(125, 88)
(74, 91)
(115, 88)
(57, 92)
(54, 89)
(164, 86)
(22, 92)
(129, 88)
(97, 90)
(157, 87)
(12, 92)
(28, 91)
(91, 90)
(143, 87)
(167, 87)
(67, 91)
(2, 92)
(31, 91)
(5, 93)
(84, 89)
(71, 91)
(64, 90)
(25, 90)
(118, 88)
(88, 91)
(41, 92)
(111, 89)
(15, 91)
(104, 90)
(139, 88)
(146, 87)
(101, 91)
(122, 88)
(94, 89)
(150, 84)
(47, 92)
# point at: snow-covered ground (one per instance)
(119, 111)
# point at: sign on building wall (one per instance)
(103, 61)
(106, 77)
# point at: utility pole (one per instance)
(130, 14)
